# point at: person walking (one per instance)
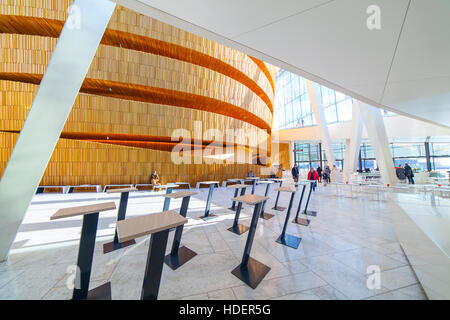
(409, 173)
(319, 173)
(313, 177)
(295, 173)
(400, 172)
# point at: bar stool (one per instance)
(169, 187)
(238, 228)
(264, 215)
(86, 248)
(157, 225)
(179, 256)
(253, 181)
(276, 207)
(250, 270)
(284, 238)
(305, 211)
(236, 188)
(211, 184)
(301, 221)
(115, 244)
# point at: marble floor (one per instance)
(346, 237)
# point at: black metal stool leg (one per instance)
(238, 228)
(84, 263)
(266, 216)
(250, 270)
(208, 203)
(276, 207)
(166, 205)
(253, 185)
(179, 256)
(154, 266)
(301, 221)
(287, 239)
(233, 206)
(309, 213)
(115, 244)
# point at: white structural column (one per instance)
(315, 99)
(352, 145)
(376, 132)
(291, 154)
(51, 106)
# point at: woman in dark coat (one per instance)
(400, 172)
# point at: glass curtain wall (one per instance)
(339, 151)
(440, 156)
(293, 108)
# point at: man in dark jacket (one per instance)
(295, 173)
(409, 173)
(319, 173)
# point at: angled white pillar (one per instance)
(376, 131)
(51, 106)
(352, 145)
(316, 103)
(291, 154)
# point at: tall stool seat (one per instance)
(250, 270)
(180, 255)
(115, 244)
(284, 238)
(264, 215)
(157, 225)
(238, 228)
(86, 248)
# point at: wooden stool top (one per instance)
(121, 190)
(250, 199)
(180, 194)
(238, 186)
(286, 189)
(150, 223)
(165, 186)
(82, 210)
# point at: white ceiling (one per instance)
(403, 67)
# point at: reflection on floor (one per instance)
(346, 237)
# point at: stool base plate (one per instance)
(239, 229)
(301, 221)
(290, 241)
(102, 292)
(267, 216)
(208, 217)
(278, 208)
(310, 213)
(110, 246)
(184, 255)
(252, 274)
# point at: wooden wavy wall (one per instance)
(79, 162)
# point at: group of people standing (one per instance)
(405, 173)
(315, 175)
